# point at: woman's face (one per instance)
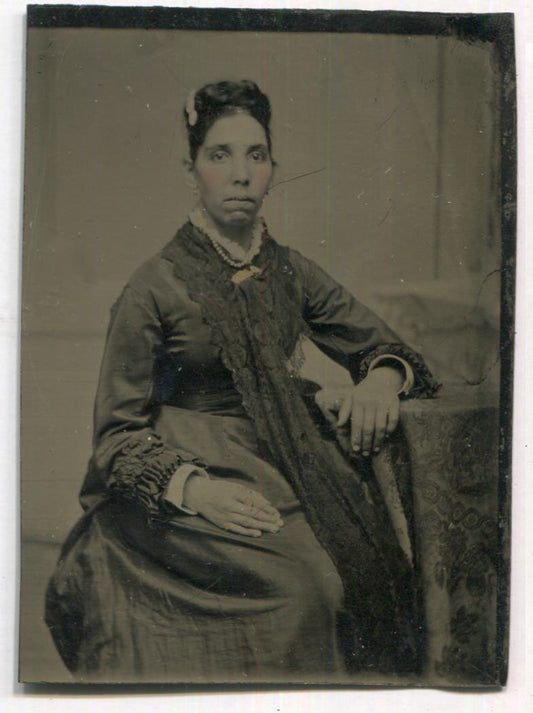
(232, 170)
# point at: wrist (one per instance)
(193, 491)
(387, 377)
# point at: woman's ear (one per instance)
(190, 180)
(273, 174)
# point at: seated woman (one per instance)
(228, 535)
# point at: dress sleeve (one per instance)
(351, 334)
(133, 459)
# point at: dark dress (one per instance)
(145, 592)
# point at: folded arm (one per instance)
(383, 369)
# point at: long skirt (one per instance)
(188, 601)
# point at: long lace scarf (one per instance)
(256, 323)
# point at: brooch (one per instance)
(246, 273)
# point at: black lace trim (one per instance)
(256, 324)
(425, 386)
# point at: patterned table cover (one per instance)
(460, 530)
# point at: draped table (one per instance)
(456, 516)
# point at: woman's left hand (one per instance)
(373, 408)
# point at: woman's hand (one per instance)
(231, 506)
(372, 406)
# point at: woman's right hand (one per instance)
(231, 506)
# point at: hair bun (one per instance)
(212, 101)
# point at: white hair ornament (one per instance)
(192, 114)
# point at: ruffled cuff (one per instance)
(424, 384)
(142, 471)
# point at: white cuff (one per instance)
(174, 491)
(409, 376)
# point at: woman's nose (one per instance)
(241, 173)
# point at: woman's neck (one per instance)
(234, 248)
(241, 235)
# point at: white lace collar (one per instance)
(228, 250)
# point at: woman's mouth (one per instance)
(239, 199)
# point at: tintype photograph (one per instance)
(267, 335)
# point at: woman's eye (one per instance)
(218, 156)
(259, 156)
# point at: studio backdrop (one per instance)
(388, 149)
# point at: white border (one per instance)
(518, 695)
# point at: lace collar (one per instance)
(228, 250)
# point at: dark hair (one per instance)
(213, 101)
